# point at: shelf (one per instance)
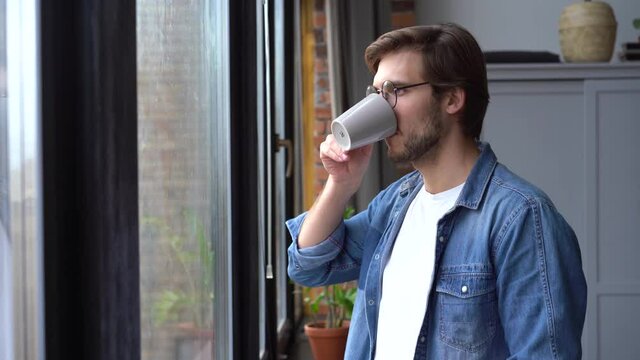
(563, 71)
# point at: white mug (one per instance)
(370, 120)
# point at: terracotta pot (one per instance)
(327, 344)
(587, 32)
(192, 330)
(194, 342)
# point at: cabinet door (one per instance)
(612, 110)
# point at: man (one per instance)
(460, 259)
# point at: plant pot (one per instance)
(327, 344)
(587, 32)
(193, 342)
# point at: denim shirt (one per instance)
(508, 279)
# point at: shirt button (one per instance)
(464, 289)
(422, 339)
(371, 302)
(377, 256)
(441, 239)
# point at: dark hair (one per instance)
(452, 58)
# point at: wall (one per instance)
(519, 24)
(322, 94)
(403, 13)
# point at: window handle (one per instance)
(288, 144)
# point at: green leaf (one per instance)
(190, 251)
(338, 294)
(314, 307)
(348, 212)
(339, 298)
(351, 296)
(636, 23)
(167, 306)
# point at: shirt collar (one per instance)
(475, 185)
(479, 177)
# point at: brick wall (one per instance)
(402, 13)
(322, 93)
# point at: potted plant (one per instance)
(328, 336)
(185, 305)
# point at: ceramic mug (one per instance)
(370, 120)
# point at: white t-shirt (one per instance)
(408, 275)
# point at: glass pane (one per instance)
(6, 334)
(281, 248)
(21, 186)
(182, 122)
(279, 160)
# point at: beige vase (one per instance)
(587, 32)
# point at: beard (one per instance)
(422, 144)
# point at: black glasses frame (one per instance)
(389, 88)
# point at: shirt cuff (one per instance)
(316, 255)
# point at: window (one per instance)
(184, 171)
(138, 253)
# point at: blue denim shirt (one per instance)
(508, 279)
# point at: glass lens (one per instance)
(389, 92)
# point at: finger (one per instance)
(337, 149)
(328, 151)
(363, 151)
(335, 156)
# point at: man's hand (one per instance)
(346, 169)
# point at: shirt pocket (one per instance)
(468, 310)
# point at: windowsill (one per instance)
(300, 349)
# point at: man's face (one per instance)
(419, 115)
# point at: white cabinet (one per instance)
(574, 131)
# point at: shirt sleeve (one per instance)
(317, 255)
(541, 286)
(336, 259)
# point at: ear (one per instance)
(454, 101)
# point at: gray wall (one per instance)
(519, 24)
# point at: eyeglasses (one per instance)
(390, 91)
